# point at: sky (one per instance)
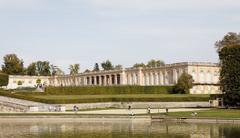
(126, 32)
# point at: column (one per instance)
(123, 78)
(147, 79)
(166, 78)
(161, 78)
(175, 76)
(140, 77)
(100, 80)
(115, 79)
(105, 80)
(110, 79)
(95, 80)
(152, 79)
(156, 78)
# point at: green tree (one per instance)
(55, 71)
(118, 67)
(3, 79)
(74, 69)
(107, 65)
(87, 71)
(137, 65)
(12, 65)
(31, 69)
(229, 55)
(184, 84)
(96, 67)
(38, 81)
(43, 68)
(19, 83)
(155, 63)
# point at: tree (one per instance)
(96, 67)
(43, 68)
(107, 65)
(12, 65)
(155, 63)
(31, 69)
(229, 54)
(184, 84)
(74, 69)
(87, 71)
(55, 71)
(38, 81)
(137, 65)
(3, 79)
(118, 67)
(19, 83)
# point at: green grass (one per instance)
(68, 99)
(62, 99)
(213, 113)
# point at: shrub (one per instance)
(184, 84)
(3, 79)
(19, 83)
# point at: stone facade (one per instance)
(205, 75)
(26, 81)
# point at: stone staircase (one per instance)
(8, 104)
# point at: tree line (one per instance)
(13, 65)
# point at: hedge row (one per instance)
(98, 90)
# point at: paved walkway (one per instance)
(137, 111)
(122, 111)
(19, 101)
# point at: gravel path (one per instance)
(138, 111)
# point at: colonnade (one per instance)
(209, 76)
(168, 75)
(153, 77)
(103, 80)
(87, 80)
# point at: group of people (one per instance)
(148, 110)
(75, 108)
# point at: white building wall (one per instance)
(205, 75)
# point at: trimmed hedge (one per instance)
(99, 90)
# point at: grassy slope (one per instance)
(61, 98)
(122, 98)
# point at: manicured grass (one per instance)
(68, 99)
(213, 113)
(61, 99)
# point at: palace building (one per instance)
(205, 75)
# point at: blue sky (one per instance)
(125, 31)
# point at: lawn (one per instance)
(215, 113)
(95, 98)
(121, 98)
